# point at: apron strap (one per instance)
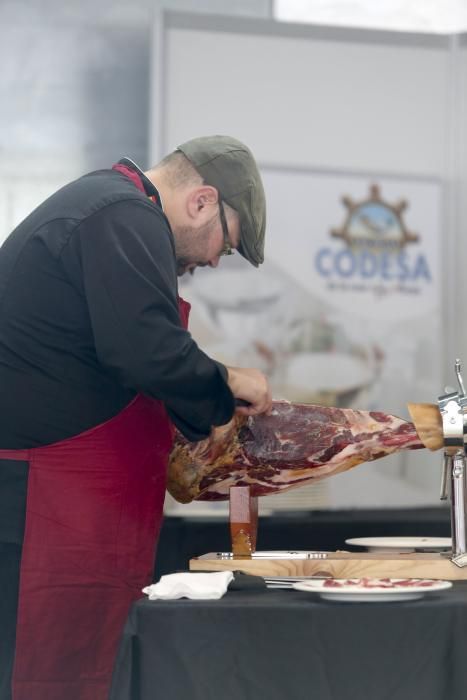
(18, 455)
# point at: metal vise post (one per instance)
(453, 408)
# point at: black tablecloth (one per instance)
(289, 645)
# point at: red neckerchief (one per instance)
(136, 179)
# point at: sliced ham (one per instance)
(287, 449)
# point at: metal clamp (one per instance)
(453, 409)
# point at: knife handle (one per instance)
(241, 402)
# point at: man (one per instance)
(95, 368)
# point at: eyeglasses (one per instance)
(227, 247)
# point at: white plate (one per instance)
(354, 590)
(401, 544)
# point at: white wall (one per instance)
(459, 249)
(74, 89)
(312, 102)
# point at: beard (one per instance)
(191, 245)
(183, 268)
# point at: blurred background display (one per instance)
(334, 99)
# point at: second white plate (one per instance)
(401, 544)
(372, 590)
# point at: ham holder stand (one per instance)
(449, 565)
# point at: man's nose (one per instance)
(214, 262)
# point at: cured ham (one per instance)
(292, 446)
(379, 583)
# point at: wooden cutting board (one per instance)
(337, 564)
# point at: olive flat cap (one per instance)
(229, 166)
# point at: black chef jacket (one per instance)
(89, 318)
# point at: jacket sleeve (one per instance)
(130, 282)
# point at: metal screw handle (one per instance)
(459, 377)
(446, 471)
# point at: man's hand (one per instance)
(252, 386)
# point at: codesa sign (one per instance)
(366, 245)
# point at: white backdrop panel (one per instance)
(336, 104)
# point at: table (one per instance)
(289, 645)
(184, 538)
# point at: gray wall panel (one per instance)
(74, 89)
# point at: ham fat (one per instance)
(287, 449)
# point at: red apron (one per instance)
(93, 515)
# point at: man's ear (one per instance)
(198, 200)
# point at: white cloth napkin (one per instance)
(190, 585)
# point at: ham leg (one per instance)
(428, 423)
(287, 449)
